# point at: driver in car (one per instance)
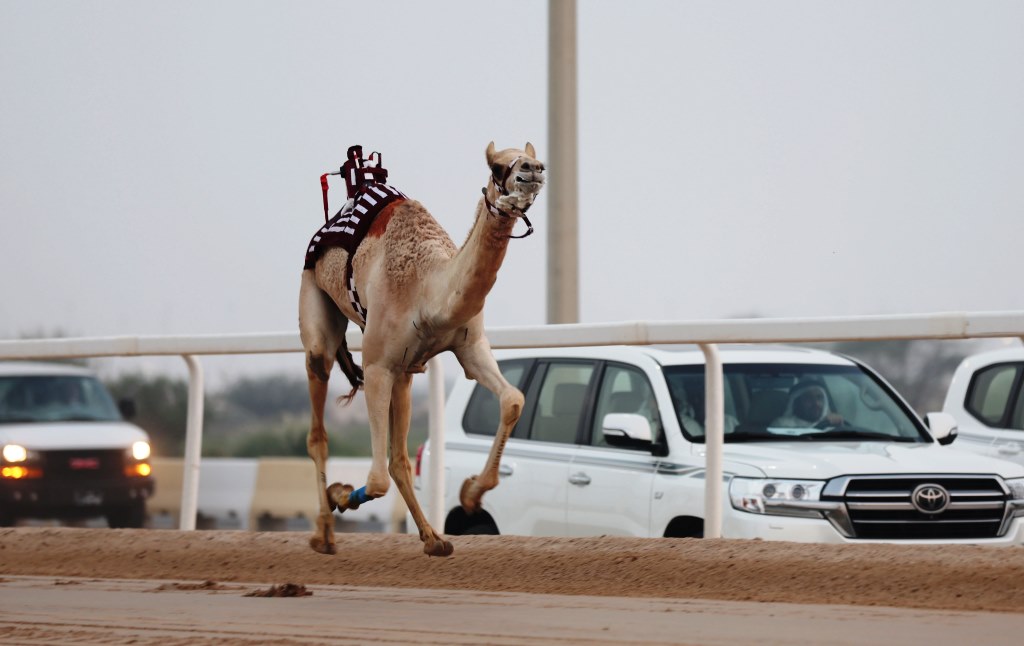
(808, 407)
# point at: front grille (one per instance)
(84, 465)
(880, 507)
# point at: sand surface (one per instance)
(908, 576)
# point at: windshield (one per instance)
(55, 399)
(773, 402)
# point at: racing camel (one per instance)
(415, 295)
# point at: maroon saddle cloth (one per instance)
(348, 228)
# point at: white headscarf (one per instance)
(790, 418)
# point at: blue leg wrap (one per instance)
(358, 496)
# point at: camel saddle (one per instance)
(368, 195)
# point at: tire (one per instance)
(6, 520)
(131, 515)
(484, 528)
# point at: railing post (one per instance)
(193, 445)
(714, 439)
(435, 425)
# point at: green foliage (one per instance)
(267, 396)
(161, 405)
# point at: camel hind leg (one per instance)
(400, 467)
(479, 364)
(322, 330)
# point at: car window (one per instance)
(989, 394)
(766, 402)
(484, 412)
(624, 390)
(55, 398)
(560, 402)
(1017, 418)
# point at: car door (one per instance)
(535, 464)
(995, 404)
(610, 487)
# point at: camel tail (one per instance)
(352, 371)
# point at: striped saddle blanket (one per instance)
(348, 228)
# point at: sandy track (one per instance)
(910, 576)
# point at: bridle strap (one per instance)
(494, 210)
(499, 183)
(529, 226)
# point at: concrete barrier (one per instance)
(166, 500)
(226, 491)
(284, 496)
(268, 494)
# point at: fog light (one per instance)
(140, 469)
(19, 473)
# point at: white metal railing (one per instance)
(944, 325)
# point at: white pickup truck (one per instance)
(818, 448)
(66, 451)
(986, 397)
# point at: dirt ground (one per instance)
(908, 576)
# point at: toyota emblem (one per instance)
(930, 498)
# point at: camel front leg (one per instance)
(479, 364)
(400, 467)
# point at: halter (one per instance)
(499, 185)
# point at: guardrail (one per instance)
(944, 325)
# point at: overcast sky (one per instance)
(160, 161)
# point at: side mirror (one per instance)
(626, 429)
(942, 426)
(127, 408)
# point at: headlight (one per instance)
(140, 450)
(779, 497)
(1016, 486)
(14, 453)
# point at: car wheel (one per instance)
(6, 520)
(131, 515)
(482, 529)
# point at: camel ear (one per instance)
(490, 153)
(530, 151)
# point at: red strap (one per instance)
(323, 185)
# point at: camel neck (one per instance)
(474, 269)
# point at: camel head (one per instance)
(516, 178)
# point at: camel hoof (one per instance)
(338, 495)
(469, 504)
(438, 547)
(323, 547)
(322, 540)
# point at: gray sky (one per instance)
(160, 161)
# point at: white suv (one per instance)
(66, 450)
(818, 448)
(986, 397)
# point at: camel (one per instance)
(421, 296)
